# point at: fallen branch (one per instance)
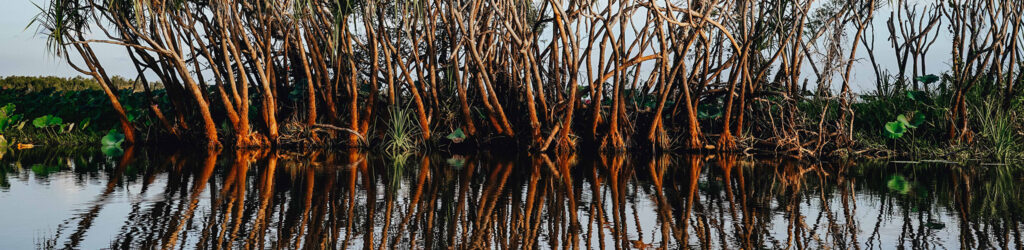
(336, 128)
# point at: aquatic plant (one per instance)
(8, 118)
(895, 129)
(456, 136)
(111, 143)
(47, 121)
(899, 184)
(400, 136)
(53, 125)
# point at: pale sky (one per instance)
(24, 51)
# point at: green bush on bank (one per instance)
(895, 116)
(82, 108)
(916, 121)
(78, 83)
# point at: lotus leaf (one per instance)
(895, 129)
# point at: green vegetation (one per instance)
(544, 76)
(400, 138)
(65, 111)
(8, 118)
(883, 121)
(999, 130)
(112, 143)
(41, 83)
(917, 123)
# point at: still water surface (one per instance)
(287, 200)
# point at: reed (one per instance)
(996, 125)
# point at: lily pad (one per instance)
(112, 151)
(899, 184)
(903, 119)
(47, 121)
(895, 129)
(456, 161)
(39, 122)
(112, 143)
(457, 136)
(911, 122)
(927, 79)
(113, 139)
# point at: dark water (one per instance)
(284, 200)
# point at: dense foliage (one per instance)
(548, 75)
(53, 83)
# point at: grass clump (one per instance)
(915, 123)
(401, 136)
(996, 127)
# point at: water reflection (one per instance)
(284, 200)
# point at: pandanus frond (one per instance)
(58, 21)
(341, 9)
(129, 10)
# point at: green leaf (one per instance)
(919, 96)
(707, 111)
(112, 139)
(918, 119)
(55, 121)
(927, 79)
(47, 121)
(112, 151)
(457, 136)
(456, 161)
(7, 110)
(899, 184)
(903, 119)
(85, 123)
(40, 122)
(895, 130)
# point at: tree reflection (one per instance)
(284, 200)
